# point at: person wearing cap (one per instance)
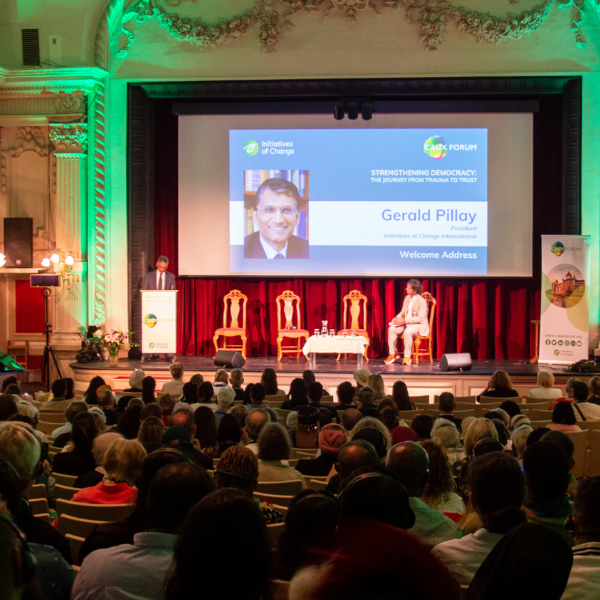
(362, 378)
(331, 438)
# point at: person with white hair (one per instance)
(445, 433)
(225, 398)
(545, 391)
(22, 450)
(519, 438)
(135, 381)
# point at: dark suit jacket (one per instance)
(150, 281)
(297, 247)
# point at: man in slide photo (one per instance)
(276, 214)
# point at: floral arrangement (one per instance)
(112, 340)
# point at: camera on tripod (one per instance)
(89, 350)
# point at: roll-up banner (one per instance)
(564, 314)
(159, 321)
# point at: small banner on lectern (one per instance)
(159, 322)
(564, 315)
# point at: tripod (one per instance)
(48, 352)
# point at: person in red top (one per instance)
(123, 462)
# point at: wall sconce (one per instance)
(64, 261)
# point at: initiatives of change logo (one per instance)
(435, 147)
(558, 248)
(150, 320)
(250, 147)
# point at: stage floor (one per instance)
(328, 364)
(424, 378)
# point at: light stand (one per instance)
(48, 352)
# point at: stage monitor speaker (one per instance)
(18, 243)
(8, 363)
(229, 359)
(456, 362)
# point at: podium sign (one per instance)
(159, 321)
(564, 314)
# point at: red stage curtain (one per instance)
(490, 319)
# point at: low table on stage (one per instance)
(338, 344)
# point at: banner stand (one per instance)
(564, 312)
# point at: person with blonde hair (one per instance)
(480, 429)
(499, 386)
(221, 379)
(122, 465)
(545, 391)
(377, 385)
(175, 385)
(150, 433)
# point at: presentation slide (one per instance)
(341, 201)
(400, 195)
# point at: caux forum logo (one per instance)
(435, 147)
(558, 248)
(150, 320)
(250, 147)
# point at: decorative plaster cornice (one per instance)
(3, 74)
(51, 80)
(432, 16)
(69, 138)
(59, 105)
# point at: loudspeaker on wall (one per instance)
(456, 362)
(229, 359)
(18, 242)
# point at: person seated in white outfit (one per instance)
(410, 321)
(545, 391)
(497, 487)
(584, 580)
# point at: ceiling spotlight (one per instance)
(367, 111)
(352, 110)
(45, 262)
(338, 111)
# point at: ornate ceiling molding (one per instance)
(35, 81)
(432, 17)
(50, 104)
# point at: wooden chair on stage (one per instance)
(234, 302)
(288, 303)
(427, 349)
(355, 303)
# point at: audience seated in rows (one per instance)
(440, 489)
(409, 463)
(497, 488)
(58, 403)
(175, 385)
(122, 464)
(102, 442)
(584, 410)
(150, 433)
(545, 391)
(78, 457)
(331, 438)
(563, 418)
(223, 517)
(135, 381)
(238, 468)
(274, 450)
(139, 570)
(499, 386)
(530, 561)
(21, 462)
